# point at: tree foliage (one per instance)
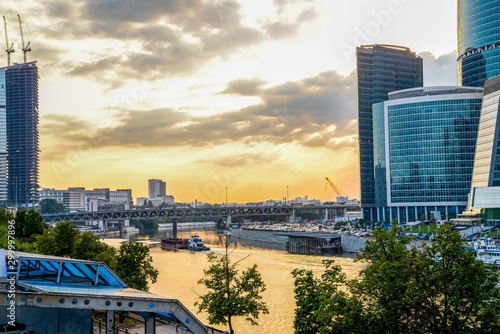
(229, 294)
(135, 266)
(50, 205)
(58, 241)
(29, 223)
(65, 240)
(435, 288)
(88, 247)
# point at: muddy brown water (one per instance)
(181, 270)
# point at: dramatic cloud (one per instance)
(440, 71)
(148, 40)
(314, 112)
(248, 87)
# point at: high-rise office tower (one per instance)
(424, 142)
(21, 85)
(485, 188)
(157, 188)
(478, 34)
(380, 69)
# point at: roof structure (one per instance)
(42, 281)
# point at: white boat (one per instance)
(487, 251)
(196, 244)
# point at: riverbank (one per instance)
(270, 239)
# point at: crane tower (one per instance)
(8, 49)
(342, 199)
(26, 48)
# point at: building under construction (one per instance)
(22, 134)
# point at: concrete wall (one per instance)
(268, 239)
(352, 244)
(262, 239)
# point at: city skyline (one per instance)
(223, 98)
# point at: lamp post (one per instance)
(226, 196)
(287, 195)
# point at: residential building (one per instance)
(74, 199)
(478, 31)
(100, 193)
(121, 197)
(21, 86)
(167, 199)
(156, 188)
(380, 69)
(140, 201)
(424, 144)
(52, 193)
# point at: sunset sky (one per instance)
(255, 96)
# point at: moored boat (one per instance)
(174, 244)
(196, 244)
(487, 251)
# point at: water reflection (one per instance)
(181, 270)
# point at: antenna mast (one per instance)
(8, 49)
(26, 48)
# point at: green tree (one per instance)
(230, 295)
(29, 222)
(89, 247)
(436, 288)
(307, 299)
(5, 218)
(50, 205)
(135, 266)
(58, 241)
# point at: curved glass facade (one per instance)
(428, 147)
(478, 41)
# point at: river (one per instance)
(180, 271)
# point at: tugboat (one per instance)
(196, 244)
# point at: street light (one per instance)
(226, 196)
(286, 194)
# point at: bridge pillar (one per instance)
(326, 214)
(174, 229)
(228, 222)
(291, 218)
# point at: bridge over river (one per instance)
(338, 210)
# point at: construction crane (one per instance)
(8, 49)
(337, 191)
(26, 48)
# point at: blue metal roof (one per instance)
(60, 270)
(50, 281)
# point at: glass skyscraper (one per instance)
(425, 141)
(478, 41)
(380, 69)
(21, 91)
(485, 187)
